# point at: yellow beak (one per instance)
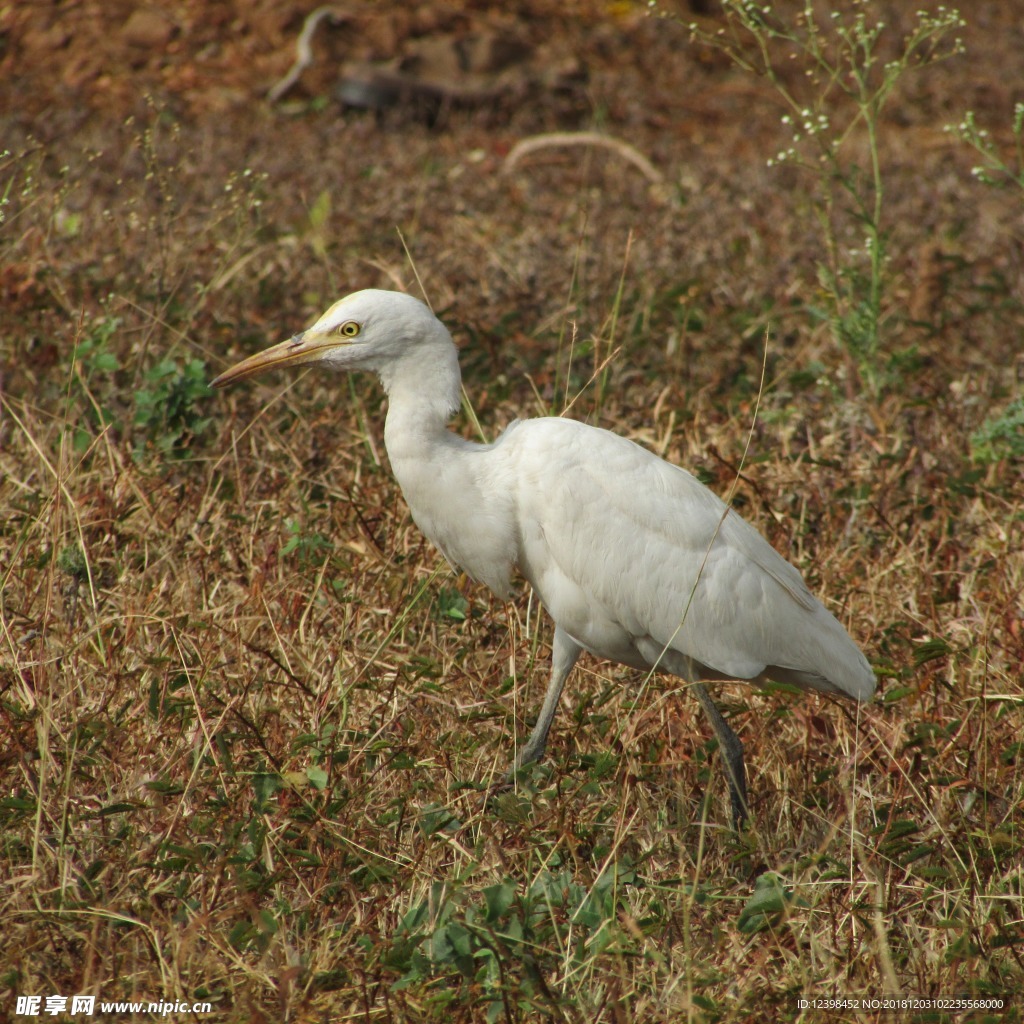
(305, 347)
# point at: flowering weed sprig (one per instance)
(994, 169)
(1002, 434)
(840, 55)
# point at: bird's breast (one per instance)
(463, 512)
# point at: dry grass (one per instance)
(245, 724)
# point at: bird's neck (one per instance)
(424, 392)
(443, 477)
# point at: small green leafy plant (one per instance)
(451, 605)
(499, 941)
(167, 409)
(309, 548)
(93, 362)
(1000, 436)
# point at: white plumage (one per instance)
(633, 558)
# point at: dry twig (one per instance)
(536, 142)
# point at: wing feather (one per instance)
(627, 550)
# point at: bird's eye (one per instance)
(349, 329)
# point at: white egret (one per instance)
(634, 559)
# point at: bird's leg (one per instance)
(731, 749)
(564, 652)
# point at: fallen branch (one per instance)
(303, 50)
(535, 142)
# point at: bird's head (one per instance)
(367, 330)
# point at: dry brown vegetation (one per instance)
(247, 713)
